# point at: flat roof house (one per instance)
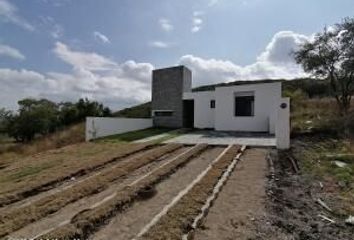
(246, 106)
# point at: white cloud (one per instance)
(275, 62)
(11, 52)
(197, 21)
(101, 37)
(278, 50)
(119, 85)
(128, 83)
(84, 60)
(165, 24)
(160, 44)
(8, 13)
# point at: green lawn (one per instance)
(135, 135)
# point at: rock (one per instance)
(340, 164)
(342, 184)
(72, 179)
(350, 220)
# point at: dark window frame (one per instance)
(244, 105)
(212, 103)
(163, 113)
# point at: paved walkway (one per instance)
(225, 138)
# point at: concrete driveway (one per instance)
(225, 138)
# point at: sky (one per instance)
(63, 50)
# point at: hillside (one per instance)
(309, 87)
(138, 111)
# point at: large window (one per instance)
(244, 105)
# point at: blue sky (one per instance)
(105, 50)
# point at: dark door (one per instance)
(188, 113)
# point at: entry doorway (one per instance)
(188, 113)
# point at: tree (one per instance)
(34, 117)
(330, 55)
(4, 117)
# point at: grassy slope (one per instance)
(12, 152)
(138, 111)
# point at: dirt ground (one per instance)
(258, 200)
(292, 211)
(131, 221)
(241, 201)
(66, 213)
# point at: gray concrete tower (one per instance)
(168, 85)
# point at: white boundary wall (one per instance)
(97, 127)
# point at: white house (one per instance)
(246, 106)
(243, 106)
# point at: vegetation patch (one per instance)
(134, 135)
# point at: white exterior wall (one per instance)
(203, 114)
(266, 99)
(97, 127)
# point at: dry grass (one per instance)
(19, 217)
(12, 152)
(88, 221)
(179, 217)
(318, 115)
(31, 175)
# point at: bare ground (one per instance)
(88, 221)
(292, 212)
(127, 224)
(65, 214)
(180, 216)
(241, 201)
(43, 171)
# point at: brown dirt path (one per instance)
(241, 201)
(129, 223)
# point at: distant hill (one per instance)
(309, 86)
(138, 111)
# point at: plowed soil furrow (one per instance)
(86, 222)
(31, 187)
(180, 216)
(240, 203)
(61, 186)
(65, 214)
(20, 217)
(127, 224)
